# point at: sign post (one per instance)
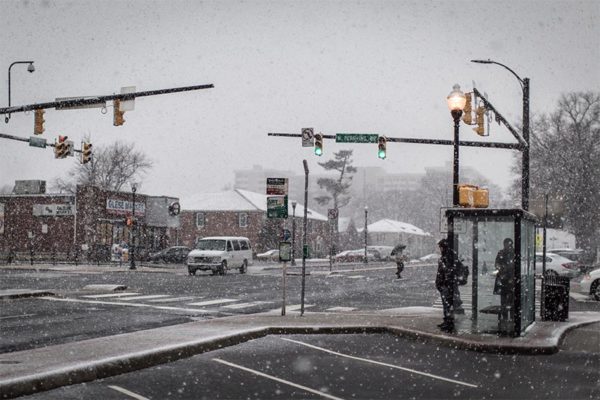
(285, 255)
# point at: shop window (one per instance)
(200, 220)
(243, 220)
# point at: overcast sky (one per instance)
(339, 66)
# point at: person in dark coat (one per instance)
(445, 284)
(505, 282)
(399, 258)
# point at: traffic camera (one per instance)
(38, 124)
(319, 144)
(381, 147)
(86, 152)
(118, 119)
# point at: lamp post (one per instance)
(293, 262)
(456, 103)
(30, 68)
(525, 161)
(366, 233)
(133, 224)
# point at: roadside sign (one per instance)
(287, 234)
(127, 105)
(332, 213)
(98, 104)
(35, 141)
(277, 207)
(285, 251)
(307, 137)
(277, 186)
(356, 137)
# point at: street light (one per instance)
(30, 68)
(134, 223)
(294, 203)
(366, 216)
(456, 103)
(524, 82)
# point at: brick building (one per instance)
(83, 225)
(244, 213)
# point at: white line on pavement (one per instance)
(414, 371)
(127, 392)
(246, 305)
(328, 396)
(341, 309)
(170, 299)
(147, 297)
(211, 302)
(17, 316)
(115, 303)
(101, 296)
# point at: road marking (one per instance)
(246, 305)
(127, 392)
(341, 309)
(17, 316)
(354, 276)
(170, 299)
(414, 371)
(115, 303)
(211, 302)
(252, 371)
(101, 296)
(147, 297)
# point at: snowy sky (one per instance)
(367, 66)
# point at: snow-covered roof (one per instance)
(392, 226)
(239, 200)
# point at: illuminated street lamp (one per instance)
(30, 68)
(456, 103)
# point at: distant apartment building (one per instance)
(255, 179)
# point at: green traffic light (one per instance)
(318, 151)
(381, 154)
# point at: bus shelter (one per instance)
(498, 245)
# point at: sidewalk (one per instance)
(27, 372)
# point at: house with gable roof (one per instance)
(388, 232)
(244, 213)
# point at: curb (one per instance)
(25, 294)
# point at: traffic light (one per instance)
(38, 124)
(86, 152)
(118, 119)
(480, 130)
(381, 147)
(60, 147)
(468, 116)
(319, 144)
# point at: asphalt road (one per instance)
(356, 367)
(157, 299)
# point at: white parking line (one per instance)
(127, 392)
(211, 302)
(252, 371)
(413, 371)
(170, 299)
(101, 296)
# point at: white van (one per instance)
(219, 254)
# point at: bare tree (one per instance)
(337, 188)
(565, 160)
(111, 168)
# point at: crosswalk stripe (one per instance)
(211, 302)
(100, 296)
(171, 299)
(246, 305)
(151, 296)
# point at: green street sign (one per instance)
(356, 137)
(37, 142)
(277, 207)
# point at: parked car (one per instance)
(219, 254)
(433, 257)
(590, 284)
(574, 255)
(174, 254)
(357, 255)
(269, 255)
(557, 265)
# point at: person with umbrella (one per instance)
(400, 259)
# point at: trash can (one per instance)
(555, 298)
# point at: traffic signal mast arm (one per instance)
(498, 145)
(500, 118)
(98, 99)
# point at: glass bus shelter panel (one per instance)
(463, 246)
(527, 273)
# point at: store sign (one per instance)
(53, 210)
(124, 207)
